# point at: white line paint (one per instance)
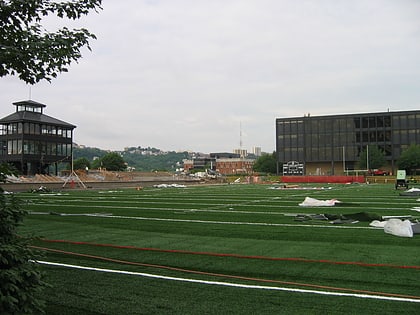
(236, 223)
(236, 285)
(214, 222)
(213, 209)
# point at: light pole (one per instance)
(344, 160)
(367, 157)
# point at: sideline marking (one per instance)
(304, 260)
(228, 284)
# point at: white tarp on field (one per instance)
(413, 190)
(378, 224)
(398, 227)
(169, 186)
(312, 202)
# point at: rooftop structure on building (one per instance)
(225, 155)
(242, 152)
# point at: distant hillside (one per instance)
(142, 159)
(89, 153)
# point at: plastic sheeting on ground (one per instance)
(411, 192)
(340, 218)
(312, 202)
(413, 189)
(378, 224)
(398, 227)
(297, 187)
(169, 186)
(416, 228)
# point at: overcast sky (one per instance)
(195, 74)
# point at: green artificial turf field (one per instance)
(225, 249)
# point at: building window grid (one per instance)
(375, 130)
(28, 147)
(353, 133)
(29, 128)
(391, 132)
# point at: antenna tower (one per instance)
(240, 135)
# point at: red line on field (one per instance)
(229, 276)
(323, 261)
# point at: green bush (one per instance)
(20, 280)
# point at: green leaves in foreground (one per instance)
(20, 280)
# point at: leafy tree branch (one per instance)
(32, 53)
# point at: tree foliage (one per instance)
(6, 169)
(112, 162)
(20, 279)
(410, 159)
(81, 164)
(30, 51)
(167, 162)
(266, 163)
(376, 158)
(88, 153)
(152, 159)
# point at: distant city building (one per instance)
(34, 142)
(224, 155)
(187, 165)
(327, 145)
(242, 152)
(256, 151)
(234, 166)
(223, 162)
(199, 162)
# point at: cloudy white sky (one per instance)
(194, 74)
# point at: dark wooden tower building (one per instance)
(34, 142)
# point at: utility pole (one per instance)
(344, 160)
(367, 157)
(240, 135)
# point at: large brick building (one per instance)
(223, 163)
(234, 166)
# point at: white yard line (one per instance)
(236, 285)
(241, 223)
(215, 208)
(217, 222)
